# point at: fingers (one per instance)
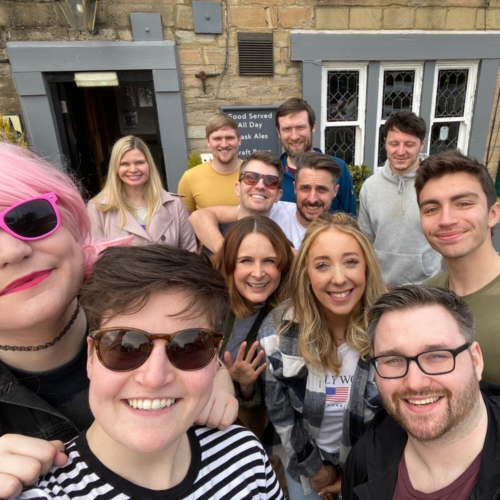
(227, 360)
(10, 487)
(257, 360)
(251, 352)
(241, 352)
(260, 369)
(220, 412)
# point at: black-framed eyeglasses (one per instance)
(435, 362)
(252, 178)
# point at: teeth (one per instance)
(340, 295)
(150, 404)
(422, 402)
(309, 207)
(254, 285)
(258, 196)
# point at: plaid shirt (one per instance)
(295, 400)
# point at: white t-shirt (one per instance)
(337, 394)
(284, 214)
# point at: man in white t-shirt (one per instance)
(315, 188)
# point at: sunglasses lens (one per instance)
(192, 349)
(251, 178)
(271, 181)
(32, 219)
(123, 350)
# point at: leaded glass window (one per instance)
(382, 153)
(398, 92)
(444, 136)
(451, 92)
(341, 143)
(342, 98)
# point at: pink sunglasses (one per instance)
(31, 219)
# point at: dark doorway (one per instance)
(91, 120)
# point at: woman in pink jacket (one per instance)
(133, 202)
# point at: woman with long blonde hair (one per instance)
(133, 202)
(319, 387)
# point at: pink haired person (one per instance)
(46, 250)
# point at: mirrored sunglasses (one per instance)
(252, 178)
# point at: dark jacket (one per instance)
(23, 412)
(345, 201)
(371, 470)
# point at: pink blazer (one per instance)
(170, 225)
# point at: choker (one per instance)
(48, 344)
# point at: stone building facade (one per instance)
(42, 20)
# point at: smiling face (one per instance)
(258, 199)
(428, 406)
(337, 271)
(133, 169)
(224, 144)
(315, 191)
(38, 279)
(183, 395)
(256, 276)
(403, 151)
(296, 133)
(454, 215)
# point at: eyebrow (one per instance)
(468, 194)
(309, 185)
(327, 257)
(428, 347)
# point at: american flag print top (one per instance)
(337, 394)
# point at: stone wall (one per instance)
(44, 20)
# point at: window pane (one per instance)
(341, 143)
(398, 92)
(342, 95)
(382, 153)
(444, 136)
(451, 91)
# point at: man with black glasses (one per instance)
(438, 437)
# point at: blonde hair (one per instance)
(113, 196)
(316, 340)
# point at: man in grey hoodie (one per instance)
(388, 211)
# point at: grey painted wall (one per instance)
(29, 60)
(313, 48)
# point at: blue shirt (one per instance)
(345, 200)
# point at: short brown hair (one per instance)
(293, 106)
(318, 161)
(124, 278)
(415, 296)
(225, 259)
(406, 122)
(453, 162)
(265, 157)
(218, 121)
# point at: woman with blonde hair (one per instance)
(320, 393)
(133, 201)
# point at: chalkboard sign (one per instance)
(257, 126)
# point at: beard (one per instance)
(309, 218)
(424, 428)
(306, 146)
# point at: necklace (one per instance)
(48, 344)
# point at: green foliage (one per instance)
(194, 159)
(359, 174)
(9, 134)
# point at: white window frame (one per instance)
(418, 67)
(359, 124)
(466, 120)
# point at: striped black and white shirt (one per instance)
(225, 465)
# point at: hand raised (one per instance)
(245, 370)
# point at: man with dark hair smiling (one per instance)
(458, 209)
(388, 209)
(155, 313)
(438, 438)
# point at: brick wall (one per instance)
(43, 20)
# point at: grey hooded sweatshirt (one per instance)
(389, 216)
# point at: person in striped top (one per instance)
(154, 314)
